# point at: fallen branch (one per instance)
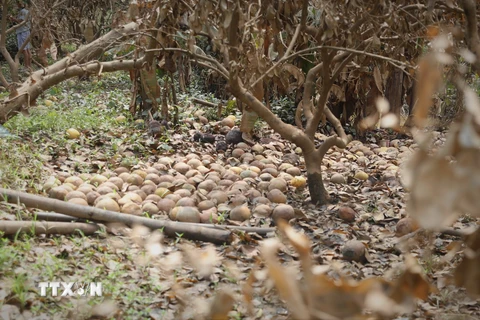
(461, 233)
(53, 216)
(44, 227)
(205, 103)
(76, 64)
(260, 231)
(170, 228)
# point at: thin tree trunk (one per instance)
(318, 193)
(411, 100)
(394, 91)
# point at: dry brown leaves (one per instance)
(442, 189)
(446, 184)
(468, 273)
(320, 296)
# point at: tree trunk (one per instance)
(318, 193)
(411, 100)
(394, 91)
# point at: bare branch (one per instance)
(232, 34)
(308, 90)
(3, 49)
(313, 122)
(187, 5)
(153, 42)
(329, 143)
(298, 115)
(298, 29)
(30, 90)
(15, 27)
(341, 66)
(287, 131)
(3, 80)
(221, 69)
(336, 124)
(74, 65)
(340, 141)
(209, 66)
(313, 118)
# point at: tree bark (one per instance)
(318, 193)
(411, 100)
(394, 91)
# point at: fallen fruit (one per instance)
(78, 201)
(120, 119)
(73, 133)
(262, 210)
(132, 208)
(360, 175)
(276, 196)
(346, 214)
(298, 182)
(278, 183)
(405, 226)
(187, 214)
(337, 178)
(58, 193)
(140, 123)
(229, 122)
(240, 213)
(150, 208)
(108, 204)
(283, 211)
(354, 250)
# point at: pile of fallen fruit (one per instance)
(249, 184)
(191, 188)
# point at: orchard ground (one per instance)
(146, 275)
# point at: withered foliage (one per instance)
(321, 296)
(337, 58)
(446, 184)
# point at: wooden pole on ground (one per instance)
(170, 228)
(44, 227)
